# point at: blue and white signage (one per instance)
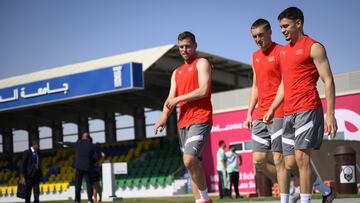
(119, 78)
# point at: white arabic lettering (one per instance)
(13, 98)
(40, 91)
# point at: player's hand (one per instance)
(331, 125)
(159, 126)
(268, 117)
(248, 122)
(171, 103)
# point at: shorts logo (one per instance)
(307, 140)
(194, 148)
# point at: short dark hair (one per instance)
(185, 35)
(221, 142)
(34, 142)
(292, 13)
(261, 22)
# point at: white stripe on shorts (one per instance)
(277, 134)
(260, 140)
(304, 128)
(194, 138)
(288, 141)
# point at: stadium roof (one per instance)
(158, 65)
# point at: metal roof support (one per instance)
(110, 127)
(57, 133)
(33, 132)
(83, 125)
(139, 123)
(8, 144)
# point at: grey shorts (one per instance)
(192, 138)
(303, 130)
(267, 137)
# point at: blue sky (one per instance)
(41, 34)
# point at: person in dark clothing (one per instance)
(85, 156)
(96, 177)
(30, 171)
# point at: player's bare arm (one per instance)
(252, 102)
(269, 115)
(321, 61)
(166, 111)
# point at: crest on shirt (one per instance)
(257, 60)
(299, 52)
(271, 58)
(283, 53)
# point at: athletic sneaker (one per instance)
(204, 201)
(330, 197)
(294, 197)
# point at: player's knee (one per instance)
(189, 162)
(302, 160)
(290, 165)
(278, 159)
(259, 163)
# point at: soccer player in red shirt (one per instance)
(191, 89)
(266, 137)
(303, 61)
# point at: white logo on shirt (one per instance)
(271, 58)
(299, 52)
(257, 60)
(283, 53)
(190, 68)
(179, 71)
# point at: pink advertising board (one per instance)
(229, 126)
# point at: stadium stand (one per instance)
(150, 162)
(154, 168)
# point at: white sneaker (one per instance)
(294, 195)
(293, 198)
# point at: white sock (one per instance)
(305, 198)
(284, 198)
(323, 189)
(204, 194)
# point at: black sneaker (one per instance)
(330, 197)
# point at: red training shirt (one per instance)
(196, 111)
(300, 76)
(268, 78)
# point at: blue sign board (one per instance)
(113, 79)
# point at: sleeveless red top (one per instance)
(268, 78)
(300, 77)
(196, 111)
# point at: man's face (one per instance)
(187, 48)
(85, 136)
(262, 37)
(35, 147)
(290, 28)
